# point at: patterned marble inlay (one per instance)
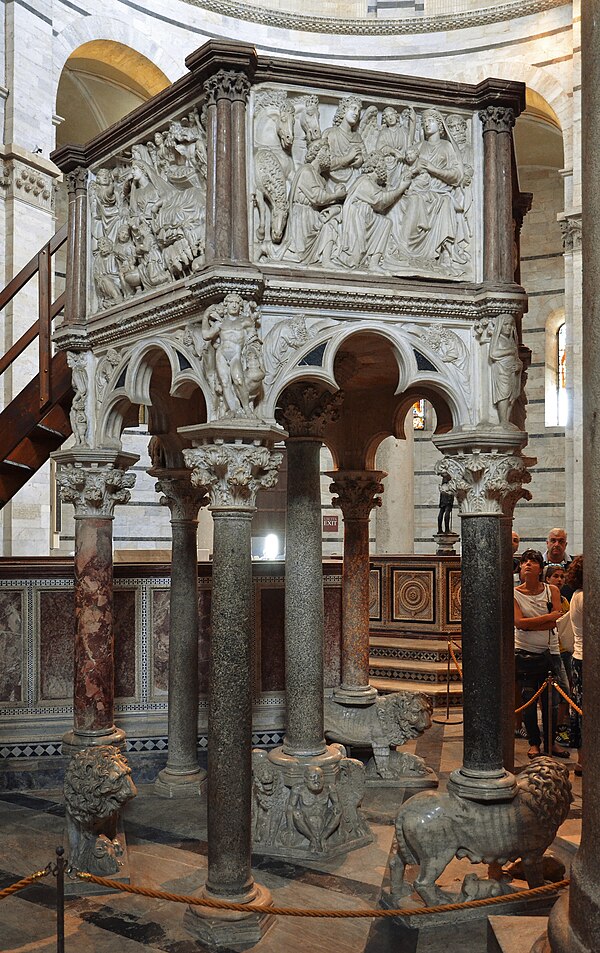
(160, 640)
(57, 633)
(413, 595)
(125, 642)
(375, 595)
(454, 595)
(12, 623)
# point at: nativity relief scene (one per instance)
(353, 185)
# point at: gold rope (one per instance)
(334, 914)
(20, 884)
(458, 668)
(541, 689)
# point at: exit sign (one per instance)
(330, 524)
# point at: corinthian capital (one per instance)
(571, 233)
(357, 491)
(77, 180)
(486, 484)
(183, 499)
(94, 489)
(306, 410)
(233, 473)
(227, 84)
(497, 118)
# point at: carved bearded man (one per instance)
(314, 217)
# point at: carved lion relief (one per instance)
(344, 184)
(148, 213)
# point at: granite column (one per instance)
(487, 483)
(574, 925)
(233, 463)
(182, 776)
(94, 482)
(356, 496)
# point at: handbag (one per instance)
(538, 664)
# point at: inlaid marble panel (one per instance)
(454, 595)
(57, 635)
(271, 642)
(413, 595)
(160, 626)
(375, 595)
(12, 631)
(333, 636)
(124, 615)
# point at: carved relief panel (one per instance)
(345, 183)
(148, 210)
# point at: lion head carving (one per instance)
(545, 787)
(404, 715)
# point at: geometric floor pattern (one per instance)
(167, 849)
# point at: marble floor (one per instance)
(167, 849)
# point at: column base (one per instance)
(445, 543)
(560, 937)
(307, 807)
(361, 695)
(228, 928)
(75, 741)
(483, 786)
(173, 784)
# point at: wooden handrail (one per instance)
(40, 264)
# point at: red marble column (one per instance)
(356, 496)
(94, 482)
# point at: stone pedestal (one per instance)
(487, 483)
(182, 776)
(233, 460)
(356, 496)
(445, 543)
(94, 481)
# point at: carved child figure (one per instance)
(106, 274)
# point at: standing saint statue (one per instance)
(445, 510)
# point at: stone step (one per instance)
(431, 650)
(435, 690)
(411, 668)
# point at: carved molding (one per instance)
(497, 118)
(376, 27)
(233, 473)
(182, 497)
(305, 410)
(28, 183)
(227, 84)
(356, 491)
(94, 489)
(571, 233)
(489, 484)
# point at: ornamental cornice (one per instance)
(497, 118)
(362, 27)
(356, 491)
(306, 410)
(94, 489)
(23, 181)
(233, 473)
(486, 484)
(77, 180)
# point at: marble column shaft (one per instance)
(497, 123)
(230, 706)
(574, 925)
(490, 206)
(94, 670)
(507, 664)
(75, 301)
(304, 612)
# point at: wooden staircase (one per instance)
(418, 665)
(36, 421)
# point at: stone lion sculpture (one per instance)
(391, 720)
(97, 784)
(432, 829)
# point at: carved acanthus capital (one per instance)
(486, 483)
(233, 473)
(571, 233)
(183, 498)
(497, 118)
(227, 84)
(305, 410)
(93, 489)
(76, 180)
(357, 491)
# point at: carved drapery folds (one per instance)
(505, 364)
(230, 349)
(94, 489)
(486, 483)
(233, 473)
(357, 491)
(570, 228)
(345, 184)
(148, 213)
(305, 410)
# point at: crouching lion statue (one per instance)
(432, 829)
(391, 720)
(97, 784)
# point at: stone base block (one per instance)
(405, 771)
(74, 887)
(230, 929)
(484, 786)
(364, 695)
(75, 741)
(445, 543)
(171, 785)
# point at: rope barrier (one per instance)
(549, 681)
(534, 698)
(567, 699)
(25, 882)
(332, 914)
(454, 659)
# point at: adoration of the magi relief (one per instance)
(148, 213)
(352, 185)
